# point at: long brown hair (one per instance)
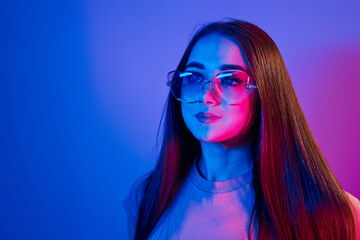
(297, 195)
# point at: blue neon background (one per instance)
(82, 87)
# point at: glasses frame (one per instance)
(247, 85)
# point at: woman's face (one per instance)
(232, 122)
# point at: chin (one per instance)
(215, 138)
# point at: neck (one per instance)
(219, 163)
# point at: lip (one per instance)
(206, 117)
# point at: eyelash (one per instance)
(196, 74)
(202, 77)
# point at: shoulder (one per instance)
(355, 203)
(132, 202)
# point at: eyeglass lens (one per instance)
(227, 86)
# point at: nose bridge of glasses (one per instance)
(209, 88)
(208, 85)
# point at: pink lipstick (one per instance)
(206, 117)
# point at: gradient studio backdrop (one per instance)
(82, 88)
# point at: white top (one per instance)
(203, 209)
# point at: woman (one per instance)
(238, 160)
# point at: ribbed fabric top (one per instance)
(204, 209)
(221, 186)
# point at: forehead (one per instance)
(215, 50)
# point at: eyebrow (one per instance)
(222, 68)
(232, 66)
(195, 65)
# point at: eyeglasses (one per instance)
(228, 86)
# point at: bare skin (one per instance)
(226, 143)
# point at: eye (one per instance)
(233, 79)
(230, 81)
(193, 76)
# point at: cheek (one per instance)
(184, 111)
(187, 113)
(199, 131)
(235, 121)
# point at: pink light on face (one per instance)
(207, 118)
(212, 119)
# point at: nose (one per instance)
(209, 97)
